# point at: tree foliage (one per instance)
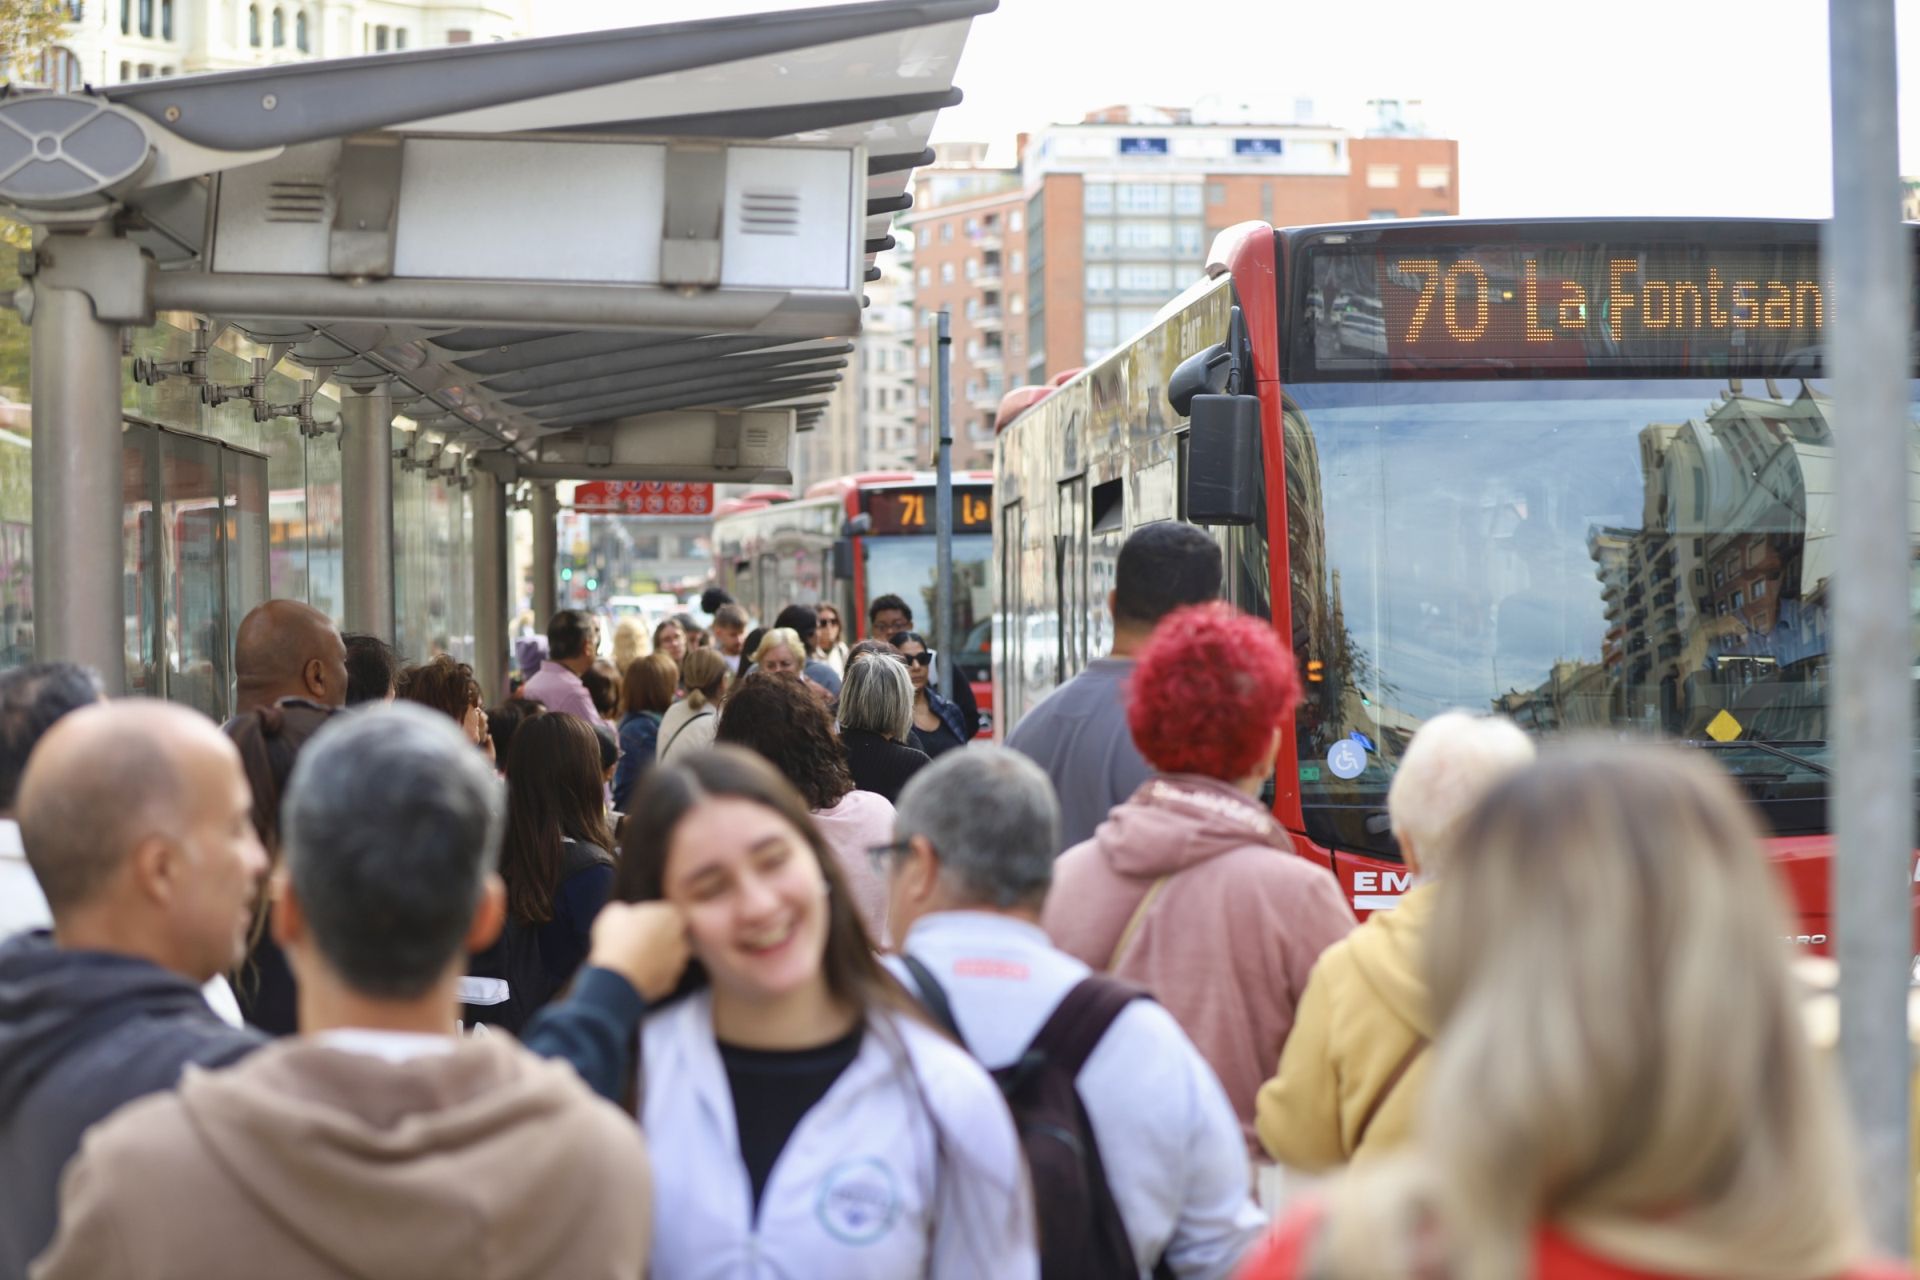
(27, 28)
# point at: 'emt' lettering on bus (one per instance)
(1636, 303)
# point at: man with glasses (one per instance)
(966, 879)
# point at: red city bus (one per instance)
(854, 539)
(1578, 473)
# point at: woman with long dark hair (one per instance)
(646, 695)
(557, 862)
(808, 1110)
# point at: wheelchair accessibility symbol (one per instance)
(1347, 759)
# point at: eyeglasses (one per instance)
(882, 855)
(922, 659)
(828, 620)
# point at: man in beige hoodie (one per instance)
(378, 1144)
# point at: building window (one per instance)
(1016, 220)
(399, 37)
(302, 36)
(1134, 278)
(1145, 197)
(146, 18)
(381, 34)
(1383, 176)
(166, 70)
(946, 232)
(973, 268)
(1145, 235)
(279, 28)
(1018, 262)
(1018, 306)
(1100, 333)
(946, 273)
(1098, 197)
(459, 35)
(59, 70)
(1216, 193)
(1099, 280)
(145, 71)
(126, 19)
(1760, 589)
(1097, 237)
(126, 72)
(1433, 177)
(1189, 239)
(973, 228)
(926, 277)
(253, 25)
(166, 19)
(1382, 215)
(1187, 199)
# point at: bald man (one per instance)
(135, 818)
(286, 649)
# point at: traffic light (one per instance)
(593, 584)
(566, 574)
(1315, 671)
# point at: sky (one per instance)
(1561, 107)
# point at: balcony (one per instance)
(989, 320)
(989, 241)
(988, 358)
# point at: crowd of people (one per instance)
(738, 954)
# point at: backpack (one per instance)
(1081, 1231)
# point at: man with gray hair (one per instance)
(975, 837)
(377, 1142)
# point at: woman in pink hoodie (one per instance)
(1191, 888)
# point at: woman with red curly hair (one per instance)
(1190, 888)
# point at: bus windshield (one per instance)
(903, 565)
(1620, 555)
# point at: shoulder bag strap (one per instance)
(698, 715)
(1418, 1047)
(1133, 923)
(933, 996)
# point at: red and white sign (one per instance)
(644, 498)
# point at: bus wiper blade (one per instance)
(1758, 744)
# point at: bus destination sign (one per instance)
(1544, 308)
(911, 510)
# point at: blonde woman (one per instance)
(689, 724)
(630, 643)
(1621, 1088)
(1350, 1075)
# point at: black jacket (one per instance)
(81, 1034)
(880, 764)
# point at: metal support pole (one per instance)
(366, 510)
(1868, 361)
(943, 507)
(489, 585)
(546, 554)
(78, 610)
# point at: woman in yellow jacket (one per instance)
(1350, 1075)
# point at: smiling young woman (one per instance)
(787, 1025)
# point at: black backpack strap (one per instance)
(933, 996)
(1081, 1019)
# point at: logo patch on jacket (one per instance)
(859, 1201)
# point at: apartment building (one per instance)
(1054, 263)
(114, 41)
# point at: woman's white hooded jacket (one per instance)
(909, 1166)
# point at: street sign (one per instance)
(644, 498)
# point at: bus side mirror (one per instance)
(1223, 460)
(843, 560)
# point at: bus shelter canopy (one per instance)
(629, 254)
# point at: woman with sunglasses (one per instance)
(938, 725)
(809, 1112)
(829, 639)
